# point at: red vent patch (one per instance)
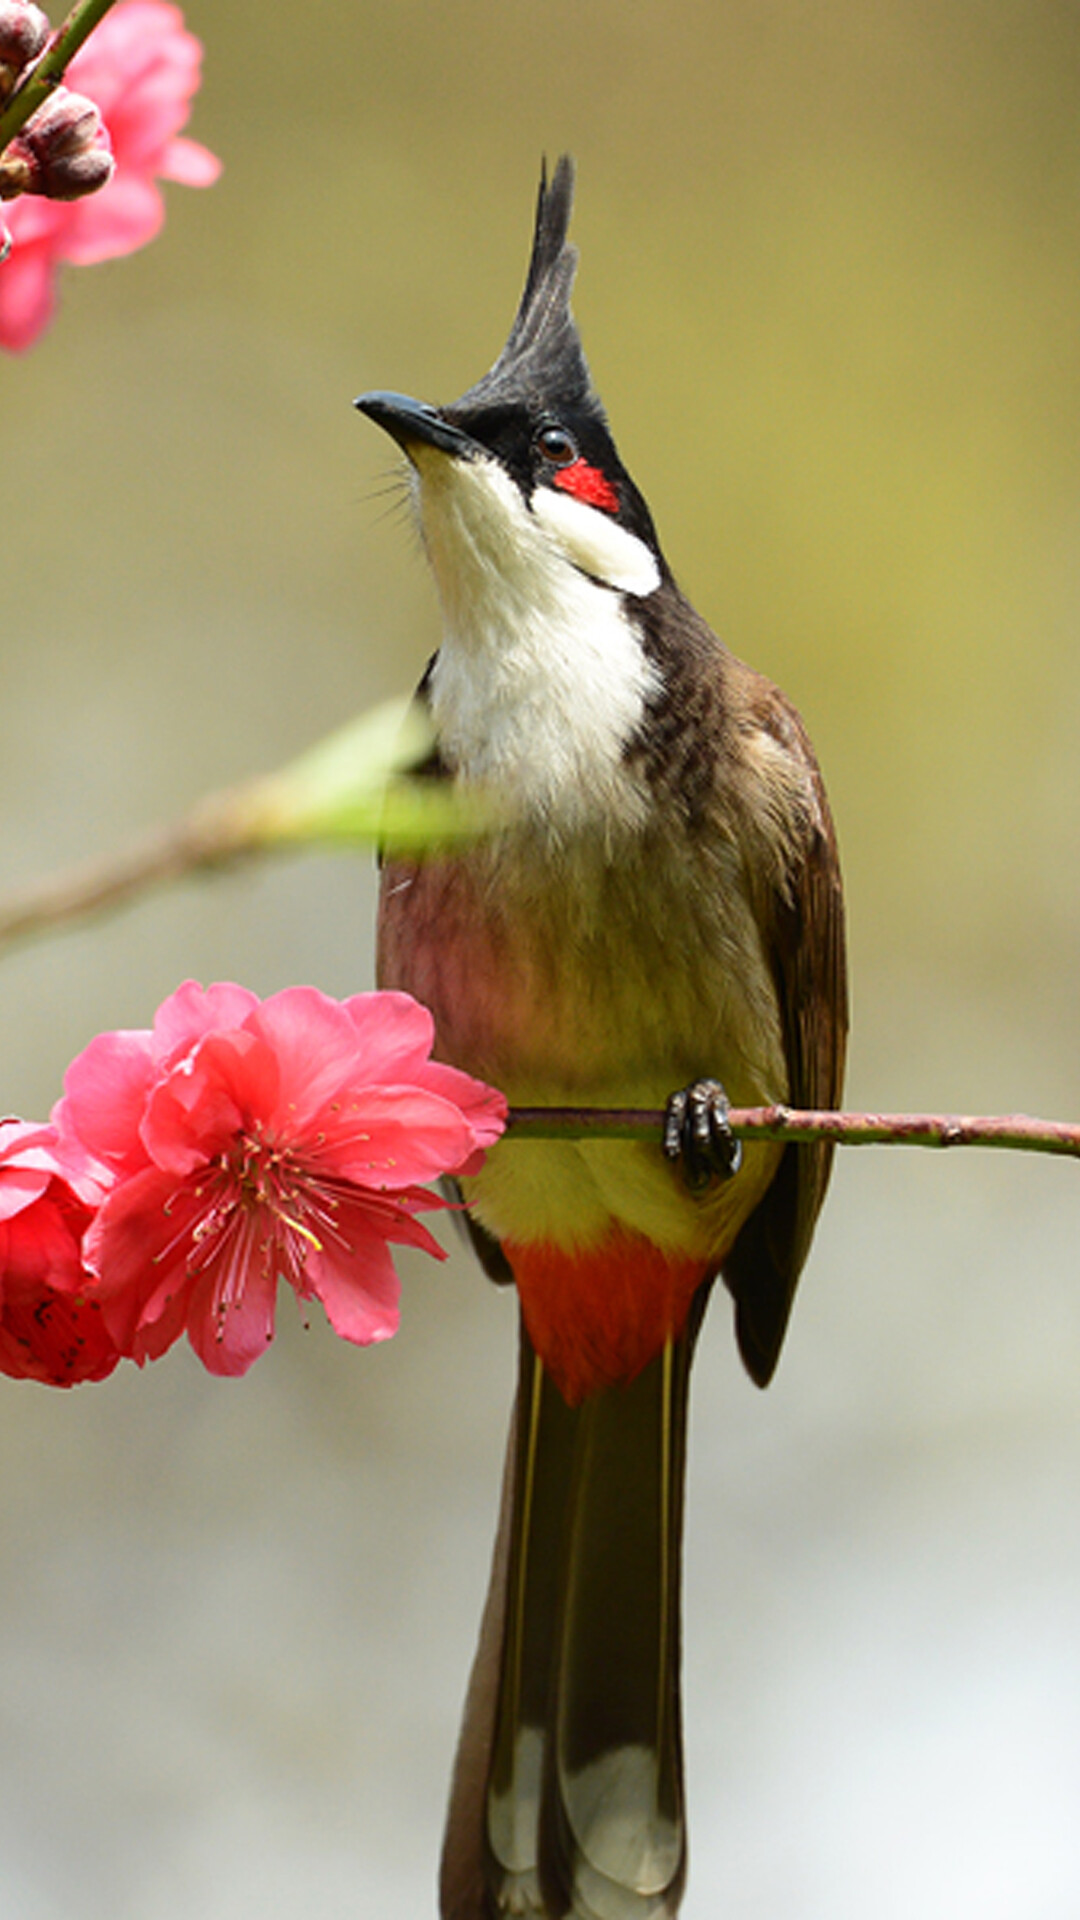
(588, 484)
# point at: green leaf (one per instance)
(357, 785)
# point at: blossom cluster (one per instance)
(191, 1166)
(86, 163)
(62, 151)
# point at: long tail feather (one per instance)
(489, 1863)
(612, 1840)
(567, 1797)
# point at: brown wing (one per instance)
(806, 948)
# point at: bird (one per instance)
(652, 918)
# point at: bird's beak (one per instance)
(411, 421)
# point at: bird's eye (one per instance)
(557, 446)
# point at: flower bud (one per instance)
(16, 174)
(24, 30)
(64, 147)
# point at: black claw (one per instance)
(696, 1132)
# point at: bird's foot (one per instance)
(697, 1134)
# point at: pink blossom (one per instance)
(247, 1141)
(141, 68)
(49, 1330)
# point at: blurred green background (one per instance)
(830, 292)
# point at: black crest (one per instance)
(543, 354)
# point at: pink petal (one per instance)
(127, 1245)
(43, 1248)
(396, 1136)
(230, 1343)
(27, 1165)
(19, 1188)
(313, 1041)
(137, 1249)
(22, 1137)
(484, 1107)
(27, 296)
(194, 1010)
(189, 163)
(227, 1082)
(396, 1033)
(105, 1090)
(34, 220)
(39, 1150)
(140, 65)
(360, 1294)
(153, 1337)
(124, 216)
(407, 1231)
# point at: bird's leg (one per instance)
(697, 1134)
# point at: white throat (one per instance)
(541, 680)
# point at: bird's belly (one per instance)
(610, 994)
(585, 980)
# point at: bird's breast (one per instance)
(582, 973)
(575, 979)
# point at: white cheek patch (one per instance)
(596, 543)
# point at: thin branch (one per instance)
(1017, 1131)
(346, 790)
(42, 78)
(200, 842)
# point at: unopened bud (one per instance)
(16, 173)
(65, 148)
(24, 30)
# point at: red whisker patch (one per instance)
(588, 484)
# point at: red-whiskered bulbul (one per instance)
(655, 919)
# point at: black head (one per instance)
(536, 409)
